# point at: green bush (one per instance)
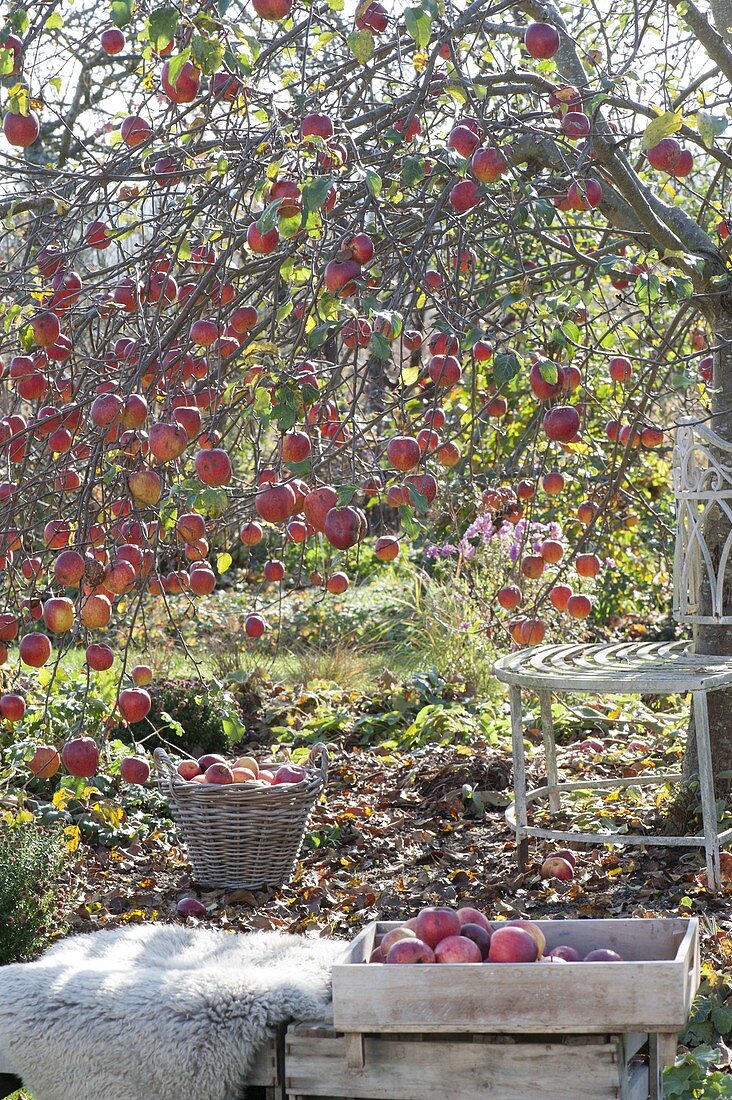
(185, 715)
(31, 861)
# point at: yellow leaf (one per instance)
(670, 122)
(73, 837)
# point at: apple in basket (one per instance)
(210, 758)
(219, 773)
(289, 773)
(247, 762)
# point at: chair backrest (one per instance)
(702, 555)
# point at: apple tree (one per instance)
(306, 276)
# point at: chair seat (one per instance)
(658, 668)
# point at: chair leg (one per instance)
(706, 784)
(519, 771)
(550, 749)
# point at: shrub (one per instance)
(31, 861)
(185, 715)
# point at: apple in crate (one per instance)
(394, 936)
(219, 773)
(533, 930)
(187, 769)
(210, 758)
(480, 937)
(266, 776)
(457, 949)
(602, 955)
(289, 773)
(410, 951)
(510, 944)
(564, 951)
(436, 923)
(469, 915)
(247, 762)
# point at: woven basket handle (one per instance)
(166, 766)
(319, 758)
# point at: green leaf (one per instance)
(315, 192)
(176, 65)
(55, 21)
(506, 366)
(373, 182)
(18, 20)
(321, 333)
(670, 122)
(121, 12)
(647, 289)
(419, 26)
(549, 372)
(270, 216)
(161, 26)
(7, 61)
(223, 561)
(380, 346)
(345, 494)
(207, 54)
(285, 409)
(361, 45)
(710, 127)
(412, 171)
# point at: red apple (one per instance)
(541, 40)
(21, 130)
(510, 944)
(112, 41)
(289, 773)
(219, 774)
(564, 951)
(480, 936)
(12, 707)
(187, 769)
(213, 467)
(458, 949)
(205, 762)
(135, 769)
(80, 756)
(410, 951)
(344, 527)
(602, 955)
(45, 762)
(403, 452)
(664, 156)
(134, 704)
(435, 923)
(394, 936)
(562, 423)
(556, 867)
(99, 656)
(468, 915)
(190, 907)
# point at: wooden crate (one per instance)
(651, 990)
(411, 1067)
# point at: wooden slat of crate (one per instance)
(263, 1073)
(652, 990)
(433, 1069)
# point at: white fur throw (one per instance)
(155, 1012)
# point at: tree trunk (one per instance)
(711, 638)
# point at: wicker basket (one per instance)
(241, 837)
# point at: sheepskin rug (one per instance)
(156, 1012)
